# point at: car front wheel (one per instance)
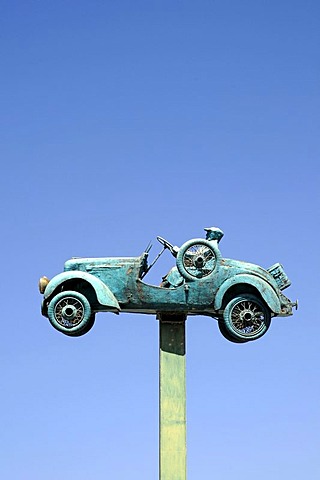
(246, 318)
(70, 313)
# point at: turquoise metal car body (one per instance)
(201, 283)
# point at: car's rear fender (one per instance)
(267, 293)
(104, 295)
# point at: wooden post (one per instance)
(172, 397)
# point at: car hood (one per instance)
(87, 264)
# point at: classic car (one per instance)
(241, 296)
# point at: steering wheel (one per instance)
(166, 244)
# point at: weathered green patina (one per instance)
(243, 297)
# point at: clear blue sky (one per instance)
(121, 121)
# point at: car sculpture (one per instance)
(241, 296)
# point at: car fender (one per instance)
(266, 291)
(104, 295)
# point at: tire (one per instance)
(225, 333)
(85, 329)
(246, 318)
(70, 313)
(198, 258)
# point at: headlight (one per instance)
(43, 282)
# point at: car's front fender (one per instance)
(104, 295)
(266, 291)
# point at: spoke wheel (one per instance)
(70, 313)
(226, 334)
(84, 330)
(197, 259)
(246, 318)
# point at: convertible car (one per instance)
(241, 296)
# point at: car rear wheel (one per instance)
(246, 318)
(226, 334)
(70, 313)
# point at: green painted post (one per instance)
(172, 397)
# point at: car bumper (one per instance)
(287, 306)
